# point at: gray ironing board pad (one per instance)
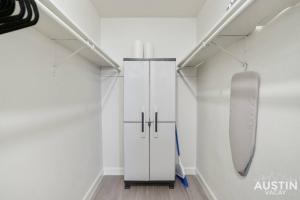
(243, 119)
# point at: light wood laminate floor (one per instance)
(112, 188)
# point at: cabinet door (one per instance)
(162, 90)
(136, 90)
(162, 152)
(136, 152)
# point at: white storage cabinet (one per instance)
(149, 120)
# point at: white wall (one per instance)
(171, 37)
(49, 121)
(83, 14)
(112, 122)
(187, 117)
(274, 54)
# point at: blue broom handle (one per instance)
(177, 142)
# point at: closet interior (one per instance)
(117, 100)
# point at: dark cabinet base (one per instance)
(127, 184)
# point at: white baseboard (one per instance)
(113, 171)
(91, 193)
(209, 193)
(118, 171)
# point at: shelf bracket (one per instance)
(188, 84)
(192, 67)
(74, 53)
(179, 69)
(56, 65)
(244, 63)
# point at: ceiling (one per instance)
(148, 8)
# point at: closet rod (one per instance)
(85, 41)
(223, 22)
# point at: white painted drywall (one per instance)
(50, 134)
(274, 54)
(187, 117)
(171, 37)
(112, 122)
(84, 14)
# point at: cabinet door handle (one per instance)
(143, 122)
(156, 116)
